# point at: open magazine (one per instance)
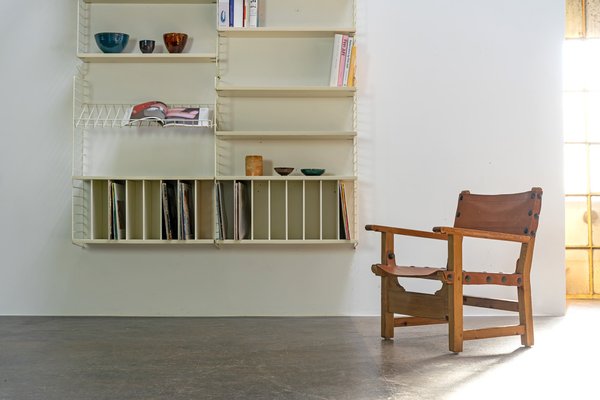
(157, 111)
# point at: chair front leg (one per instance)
(387, 318)
(525, 312)
(455, 294)
(387, 257)
(524, 293)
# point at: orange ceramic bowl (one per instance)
(175, 42)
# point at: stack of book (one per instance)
(343, 61)
(237, 13)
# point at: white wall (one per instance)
(453, 95)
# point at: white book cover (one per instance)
(223, 13)
(252, 13)
(238, 13)
(347, 62)
(335, 59)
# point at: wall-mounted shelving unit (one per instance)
(268, 92)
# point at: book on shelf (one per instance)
(185, 211)
(335, 59)
(252, 13)
(344, 224)
(118, 210)
(238, 13)
(341, 60)
(245, 18)
(352, 70)
(169, 207)
(347, 61)
(157, 111)
(223, 13)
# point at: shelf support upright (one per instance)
(269, 209)
(303, 209)
(320, 210)
(252, 210)
(286, 211)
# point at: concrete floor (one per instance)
(291, 358)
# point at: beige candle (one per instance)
(254, 165)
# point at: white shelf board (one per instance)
(266, 135)
(283, 242)
(285, 91)
(286, 178)
(141, 241)
(284, 31)
(147, 58)
(151, 1)
(142, 178)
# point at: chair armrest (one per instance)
(407, 232)
(475, 233)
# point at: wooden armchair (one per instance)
(507, 217)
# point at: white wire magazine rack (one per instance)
(117, 115)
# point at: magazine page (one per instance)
(148, 111)
(187, 116)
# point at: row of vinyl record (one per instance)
(236, 223)
(343, 61)
(176, 204)
(192, 210)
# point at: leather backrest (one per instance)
(516, 213)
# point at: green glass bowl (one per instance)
(312, 171)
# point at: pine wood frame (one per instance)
(446, 305)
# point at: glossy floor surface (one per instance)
(291, 358)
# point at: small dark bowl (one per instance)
(283, 171)
(312, 171)
(147, 46)
(175, 42)
(111, 42)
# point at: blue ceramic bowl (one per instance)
(312, 171)
(111, 42)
